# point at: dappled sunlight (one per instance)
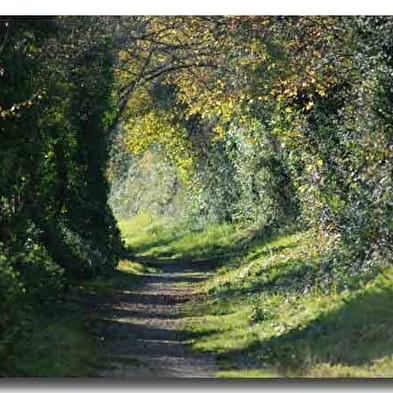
(196, 196)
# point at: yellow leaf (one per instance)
(309, 105)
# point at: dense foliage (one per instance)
(278, 120)
(266, 122)
(55, 224)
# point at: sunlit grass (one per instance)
(292, 332)
(133, 267)
(269, 302)
(147, 235)
(378, 368)
(150, 236)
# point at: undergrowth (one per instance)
(51, 341)
(56, 338)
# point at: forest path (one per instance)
(141, 324)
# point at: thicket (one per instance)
(55, 224)
(279, 121)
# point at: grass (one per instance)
(144, 234)
(278, 306)
(126, 271)
(57, 339)
(162, 238)
(54, 342)
(275, 306)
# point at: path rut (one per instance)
(140, 326)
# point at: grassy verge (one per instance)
(52, 341)
(293, 305)
(57, 338)
(162, 238)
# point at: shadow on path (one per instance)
(140, 324)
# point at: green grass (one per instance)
(162, 238)
(57, 339)
(274, 311)
(125, 272)
(144, 234)
(267, 312)
(276, 306)
(54, 342)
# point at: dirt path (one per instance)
(141, 325)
